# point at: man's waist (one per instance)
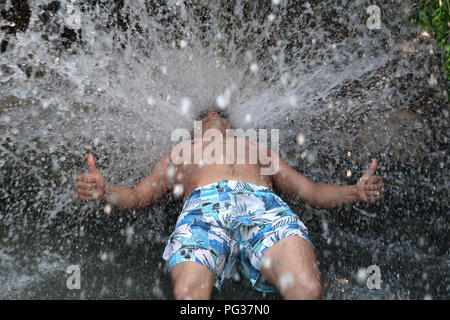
(234, 185)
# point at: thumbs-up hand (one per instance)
(370, 187)
(90, 186)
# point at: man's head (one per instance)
(213, 119)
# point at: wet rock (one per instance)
(399, 134)
(49, 11)
(18, 16)
(15, 102)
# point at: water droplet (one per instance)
(300, 139)
(178, 190)
(284, 79)
(185, 105)
(150, 101)
(129, 234)
(421, 242)
(266, 262)
(103, 256)
(311, 157)
(128, 282)
(113, 198)
(170, 172)
(285, 281)
(224, 100)
(107, 209)
(292, 101)
(361, 275)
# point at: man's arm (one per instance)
(295, 184)
(91, 186)
(148, 190)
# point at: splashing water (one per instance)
(115, 80)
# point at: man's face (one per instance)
(214, 120)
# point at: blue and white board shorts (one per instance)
(227, 226)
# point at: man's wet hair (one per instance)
(201, 114)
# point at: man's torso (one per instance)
(216, 161)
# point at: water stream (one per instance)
(116, 78)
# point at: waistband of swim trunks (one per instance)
(232, 185)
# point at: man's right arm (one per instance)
(150, 189)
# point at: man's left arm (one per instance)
(368, 189)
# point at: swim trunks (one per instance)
(227, 226)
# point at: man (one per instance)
(231, 219)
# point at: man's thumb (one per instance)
(91, 163)
(373, 167)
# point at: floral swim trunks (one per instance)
(227, 226)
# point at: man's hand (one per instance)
(370, 187)
(91, 186)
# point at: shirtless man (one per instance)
(232, 220)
